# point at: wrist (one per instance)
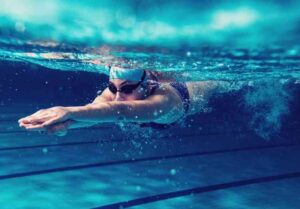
(73, 112)
(91, 112)
(81, 112)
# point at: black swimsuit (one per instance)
(183, 92)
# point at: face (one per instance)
(138, 93)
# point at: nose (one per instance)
(119, 97)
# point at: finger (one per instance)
(27, 118)
(23, 120)
(38, 114)
(38, 120)
(41, 125)
(31, 127)
(23, 125)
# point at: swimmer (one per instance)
(136, 96)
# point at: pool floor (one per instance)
(90, 169)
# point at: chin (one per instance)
(134, 97)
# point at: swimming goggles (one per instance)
(127, 89)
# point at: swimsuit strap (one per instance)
(181, 89)
(153, 85)
(183, 92)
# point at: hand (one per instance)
(44, 118)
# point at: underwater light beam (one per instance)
(234, 19)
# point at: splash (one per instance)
(269, 103)
(187, 64)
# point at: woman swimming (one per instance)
(132, 95)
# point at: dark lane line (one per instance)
(197, 190)
(92, 142)
(52, 145)
(105, 128)
(77, 129)
(110, 163)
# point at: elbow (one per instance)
(130, 113)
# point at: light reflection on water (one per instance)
(192, 64)
(157, 22)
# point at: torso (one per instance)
(198, 93)
(180, 91)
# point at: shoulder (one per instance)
(168, 93)
(170, 101)
(103, 96)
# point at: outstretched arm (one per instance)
(164, 103)
(41, 116)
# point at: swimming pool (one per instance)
(240, 151)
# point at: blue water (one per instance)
(240, 151)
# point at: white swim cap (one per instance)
(126, 73)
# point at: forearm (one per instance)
(92, 113)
